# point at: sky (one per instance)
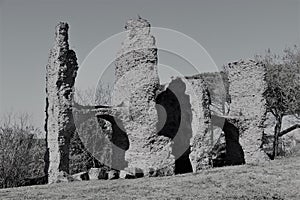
(226, 30)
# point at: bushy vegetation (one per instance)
(21, 153)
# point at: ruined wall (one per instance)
(61, 72)
(90, 145)
(174, 121)
(201, 119)
(234, 154)
(118, 139)
(248, 105)
(166, 130)
(184, 116)
(136, 83)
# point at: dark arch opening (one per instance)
(230, 153)
(119, 142)
(102, 137)
(175, 117)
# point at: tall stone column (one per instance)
(60, 77)
(248, 105)
(136, 83)
(200, 124)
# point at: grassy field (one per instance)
(278, 179)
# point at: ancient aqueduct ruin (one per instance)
(141, 138)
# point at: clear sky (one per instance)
(228, 29)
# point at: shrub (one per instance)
(21, 156)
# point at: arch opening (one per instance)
(119, 143)
(227, 150)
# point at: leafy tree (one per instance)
(283, 88)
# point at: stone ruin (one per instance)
(162, 130)
(61, 73)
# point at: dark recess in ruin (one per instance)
(120, 142)
(230, 153)
(175, 123)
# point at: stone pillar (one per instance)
(246, 88)
(60, 77)
(201, 122)
(136, 83)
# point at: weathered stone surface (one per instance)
(126, 175)
(61, 72)
(200, 142)
(82, 176)
(234, 154)
(149, 172)
(246, 89)
(152, 130)
(136, 83)
(118, 139)
(136, 172)
(90, 145)
(98, 173)
(165, 171)
(113, 174)
(184, 116)
(94, 173)
(63, 177)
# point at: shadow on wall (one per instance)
(230, 152)
(119, 143)
(86, 143)
(174, 121)
(102, 138)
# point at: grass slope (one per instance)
(278, 179)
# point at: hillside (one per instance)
(278, 179)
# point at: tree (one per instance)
(283, 88)
(16, 145)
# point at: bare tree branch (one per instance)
(282, 133)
